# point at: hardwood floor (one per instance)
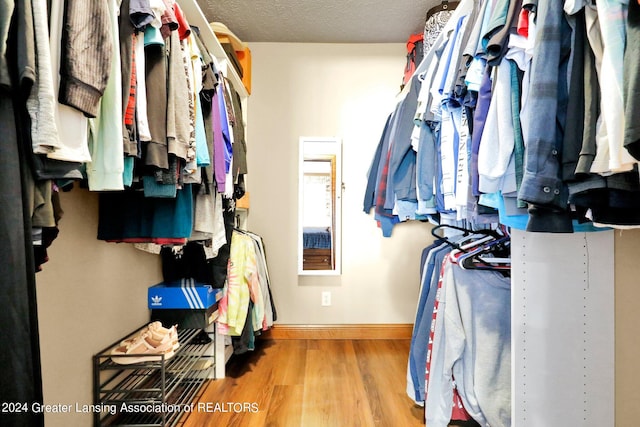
(309, 383)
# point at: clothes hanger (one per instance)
(464, 235)
(471, 245)
(445, 238)
(498, 248)
(492, 255)
(443, 6)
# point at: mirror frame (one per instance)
(321, 148)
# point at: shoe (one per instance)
(142, 349)
(157, 334)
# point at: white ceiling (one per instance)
(320, 21)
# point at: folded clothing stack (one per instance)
(149, 344)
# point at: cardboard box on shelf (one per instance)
(185, 294)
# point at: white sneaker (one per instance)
(142, 349)
(157, 333)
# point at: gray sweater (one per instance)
(473, 347)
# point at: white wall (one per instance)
(343, 90)
(627, 319)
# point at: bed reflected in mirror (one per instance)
(319, 206)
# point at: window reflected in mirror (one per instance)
(319, 206)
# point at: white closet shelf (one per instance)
(196, 18)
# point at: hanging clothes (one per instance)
(471, 347)
(20, 367)
(179, 143)
(105, 171)
(246, 305)
(489, 88)
(461, 337)
(434, 24)
(435, 255)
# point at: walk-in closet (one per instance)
(336, 213)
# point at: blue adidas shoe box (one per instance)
(184, 294)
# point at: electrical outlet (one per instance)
(326, 298)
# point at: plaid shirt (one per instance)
(541, 182)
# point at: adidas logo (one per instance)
(156, 300)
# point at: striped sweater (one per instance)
(87, 50)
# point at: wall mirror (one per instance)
(319, 206)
